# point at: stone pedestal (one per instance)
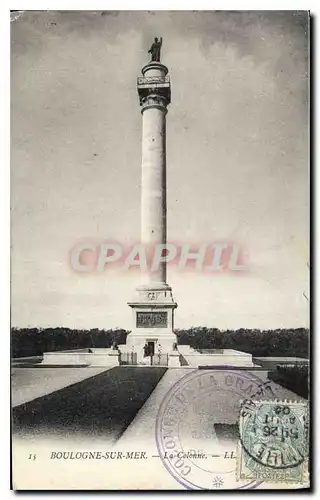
(153, 321)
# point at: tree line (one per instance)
(279, 342)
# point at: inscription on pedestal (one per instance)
(152, 319)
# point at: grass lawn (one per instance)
(103, 405)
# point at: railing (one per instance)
(128, 358)
(150, 80)
(159, 359)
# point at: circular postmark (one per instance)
(273, 434)
(197, 429)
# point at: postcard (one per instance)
(160, 250)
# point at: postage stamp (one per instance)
(273, 444)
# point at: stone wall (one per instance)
(107, 357)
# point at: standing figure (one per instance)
(145, 350)
(155, 50)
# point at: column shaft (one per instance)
(153, 188)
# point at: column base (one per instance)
(159, 342)
(153, 320)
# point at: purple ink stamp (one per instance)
(197, 427)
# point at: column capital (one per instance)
(154, 84)
(154, 101)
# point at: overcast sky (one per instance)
(237, 161)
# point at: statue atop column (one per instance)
(155, 50)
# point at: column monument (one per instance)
(153, 305)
